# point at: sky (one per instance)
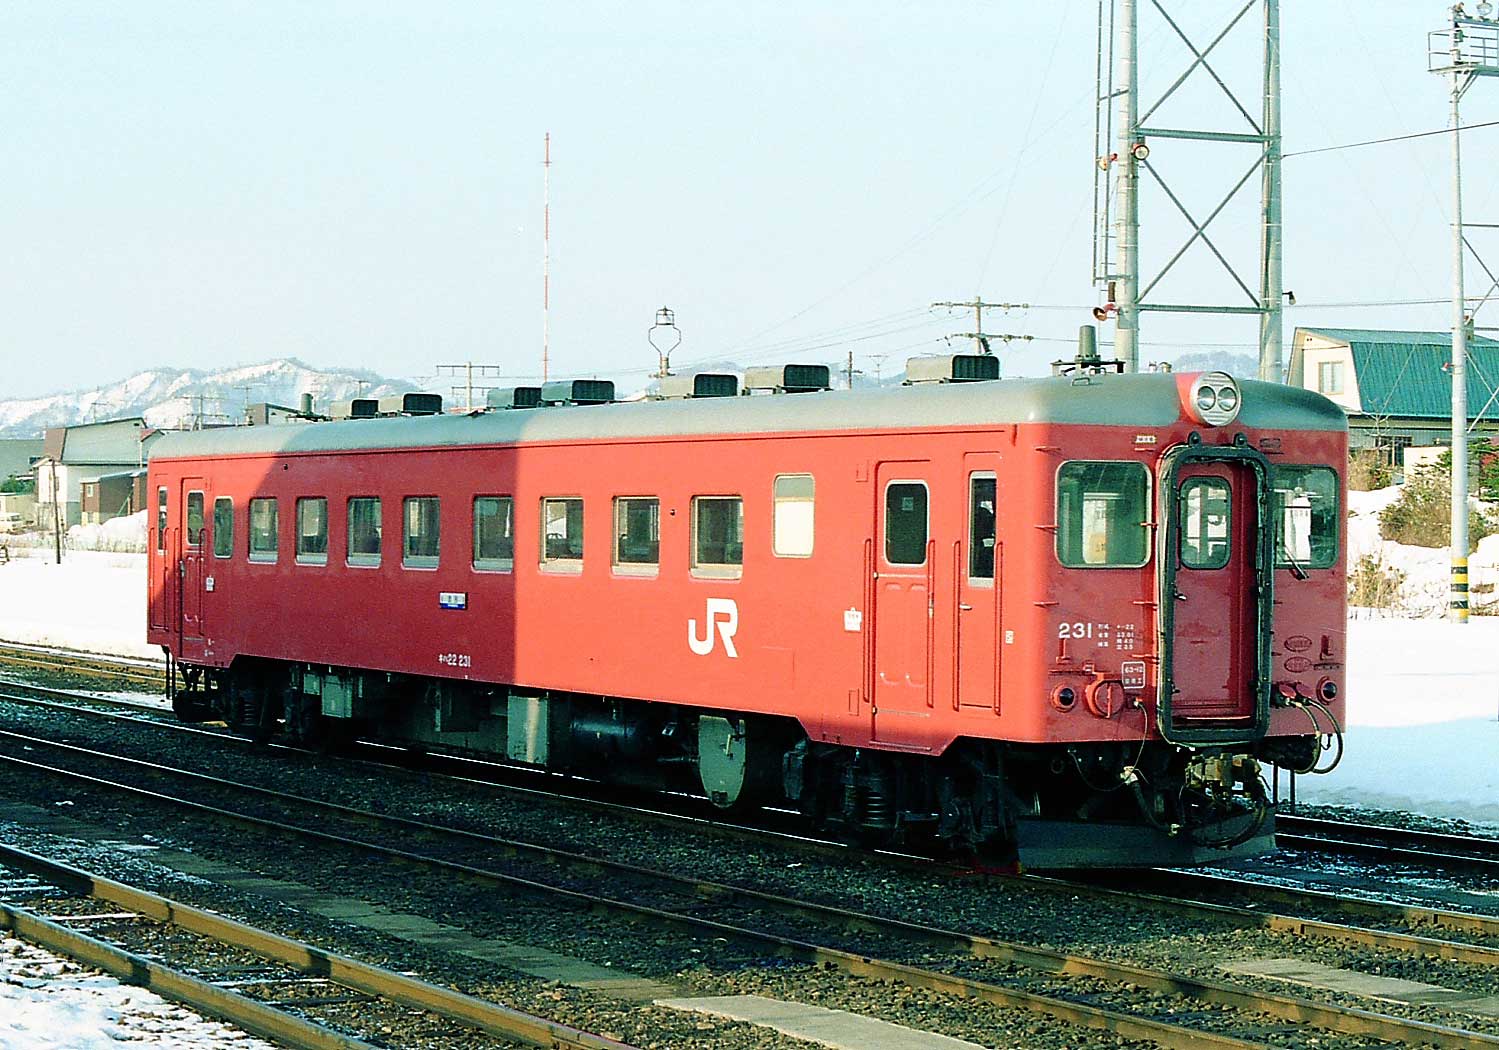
(360, 184)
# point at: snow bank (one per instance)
(94, 601)
(117, 534)
(51, 1003)
(1427, 569)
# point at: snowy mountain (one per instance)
(171, 397)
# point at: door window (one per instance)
(981, 494)
(161, 521)
(195, 519)
(905, 523)
(223, 527)
(1206, 521)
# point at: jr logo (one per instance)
(722, 613)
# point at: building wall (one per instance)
(1321, 351)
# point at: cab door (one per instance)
(191, 566)
(976, 567)
(904, 603)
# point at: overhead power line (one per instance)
(1392, 138)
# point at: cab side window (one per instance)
(223, 527)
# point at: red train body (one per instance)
(1065, 616)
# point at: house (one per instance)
(112, 496)
(75, 455)
(1396, 386)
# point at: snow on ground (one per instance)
(51, 1003)
(93, 601)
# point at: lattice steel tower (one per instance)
(1122, 137)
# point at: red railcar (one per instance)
(1067, 616)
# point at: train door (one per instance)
(1215, 615)
(164, 561)
(976, 629)
(191, 566)
(904, 605)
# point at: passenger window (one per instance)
(792, 530)
(421, 532)
(195, 519)
(1101, 515)
(312, 531)
(161, 521)
(1206, 509)
(365, 531)
(718, 535)
(223, 527)
(562, 535)
(494, 534)
(981, 527)
(264, 525)
(905, 523)
(1305, 513)
(637, 535)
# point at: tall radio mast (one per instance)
(546, 251)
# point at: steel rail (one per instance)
(1436, 848)
(1334, 1018)
(488, 1017)
(79, 663)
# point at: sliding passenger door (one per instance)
(191, 565)
(976, 570)
(904, 576)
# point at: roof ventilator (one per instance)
(411, 405)
(952, 368)
(787, 379)
(577, 392)
(356, 408)
(1087, 362)
(514, 397)
(700, 384)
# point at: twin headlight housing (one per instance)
(1215, 398)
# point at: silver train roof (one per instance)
(1141, 400)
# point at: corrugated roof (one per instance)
(1144, 400)
(1405, 373)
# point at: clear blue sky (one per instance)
(359, 184)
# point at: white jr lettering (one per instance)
(723, 613)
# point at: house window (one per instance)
(1330, 377)
(717, 535)
(264, 524)
(637, 532)
(494, 534)
(364, 531)
(312, 531)
(223, 527)
(422, 521)
(792, 529)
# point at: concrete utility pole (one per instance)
(849, 371)
(1123, 147)
(980, 337)
(1465, 51)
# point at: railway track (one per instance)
(698, 908)
(1381, 843)
(148, 673)
(92, 919)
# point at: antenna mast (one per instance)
(546, 252)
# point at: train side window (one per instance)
(422, 517)
(792, 530)
(1101, 515)
(494, 534)
(905, 523)
(637, 535)
(718, 536)
(223, 527)
(161, 521)
(1304, 509)
(562, 535)
(312, 530)
(1206, 521)
(195, 519)
(264, 526)
(365, 531)
(981, 506)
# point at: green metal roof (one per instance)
(1404, 373)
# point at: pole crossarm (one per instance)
(1203, 136)
(1201, 59)
(1197, 308)
(1199, 231)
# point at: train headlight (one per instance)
(1214, 399)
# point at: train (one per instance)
(1064, 621)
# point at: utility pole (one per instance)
(546, 253)
(1126, 139)
(978, 335)
(849, 371)
(468, 389)
(1465, 51)
(879, 365)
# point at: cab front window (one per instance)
(1102, 515)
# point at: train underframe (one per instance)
(1045, 806)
